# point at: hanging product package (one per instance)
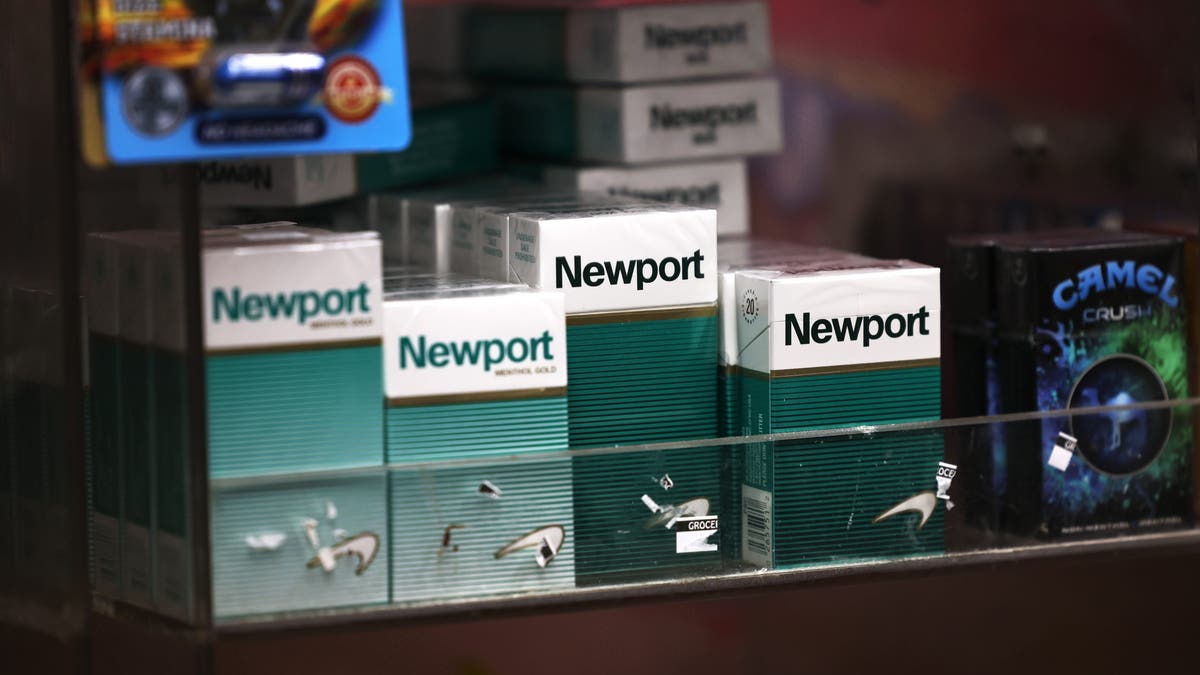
(179, 80)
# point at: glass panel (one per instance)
(705, 514)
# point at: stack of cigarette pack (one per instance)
(660, 102)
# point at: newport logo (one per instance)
(659, 36)
(1113, 275)
(257, 176)
(488, 352)
(710, 117)
(299, 305)
(640, 271)
(864, 328)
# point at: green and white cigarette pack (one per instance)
(472, 368)
(642, 123)
(742, 254)
(618, 44)
(719, 185)
(828, 344)
(292, 330)
(639, 282)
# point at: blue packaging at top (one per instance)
(183, 79)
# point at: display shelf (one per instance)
(834, 539)
(1146, 545)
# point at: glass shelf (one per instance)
(623, 523)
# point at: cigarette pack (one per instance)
(642, 123)
(292, 334)
(1089, 319)
(641, 276)
(828, 344)
(618, 45)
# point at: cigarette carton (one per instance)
(643, 123)
(828, 344)
(619, 44)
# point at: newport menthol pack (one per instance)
(619, 44)
(642, 123)
(1091, 319)
(292, 329)
(734, 254)
(719, 185)
(639, 282)
(829, 344)
(475, 368)
(472, 368)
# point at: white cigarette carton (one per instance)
(279, 181)
(643, 123)
(620, 44)
(472, 368)
(719, 185)
(292, 340)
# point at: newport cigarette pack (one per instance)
(829, 344)
(619, 44)
(292, 329)
(643, 123)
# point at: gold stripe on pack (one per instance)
(479, 397)
(295, 347)
(657, 314)
(852, 368)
